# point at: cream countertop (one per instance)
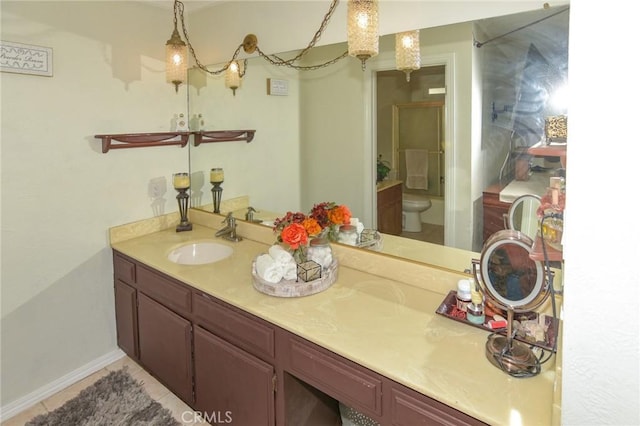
(387, 184)
(385, 325)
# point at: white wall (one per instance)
(60, 194)
(261, 169)
(601, 368)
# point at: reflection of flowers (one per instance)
(296, 229)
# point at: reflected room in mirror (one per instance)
(321, 141)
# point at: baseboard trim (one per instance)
(11, 409)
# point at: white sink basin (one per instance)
(199, 253)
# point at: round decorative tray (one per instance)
(293, 288)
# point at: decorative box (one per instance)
(555, 128)
(309, 271)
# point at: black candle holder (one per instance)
(183, 206)
(216, 191)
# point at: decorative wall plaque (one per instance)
(26, 59)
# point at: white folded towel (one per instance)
(290, 270)
(417, 162)
(280, 255)
(268, 269)
(359, 225)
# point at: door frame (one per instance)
(370, 133)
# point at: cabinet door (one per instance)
(126, 318)
(165, 346)
(390, 210)
(231, 383)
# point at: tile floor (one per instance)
(430, 233)
(154, 388)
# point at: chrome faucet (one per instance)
(249, 215)
(229, 231)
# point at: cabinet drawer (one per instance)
(124, 269)
(409, 408)
(162, 289)
(245, 332)
(336, 377)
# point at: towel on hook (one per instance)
(417, 163)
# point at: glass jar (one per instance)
(320, 251)
(348, 235)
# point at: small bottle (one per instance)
(348, 235)
(463, 296)
(320, 252)
(475, 309)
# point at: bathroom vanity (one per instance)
(370, 342)
(390, 207)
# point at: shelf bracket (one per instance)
(223, 136)
(140, 140)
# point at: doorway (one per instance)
(411, 115)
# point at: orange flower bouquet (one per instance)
(297, 229)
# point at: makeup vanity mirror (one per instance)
(522, 215)
(514, 283)
(320, 141)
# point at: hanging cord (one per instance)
(479, 44)
(278, 61)
(178, 10)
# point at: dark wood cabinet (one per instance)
(126, 318)
(409, 408)
(165, 346)
(494, 211)
(238, 368)
(390, 210)
(231, 383)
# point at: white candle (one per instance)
(217, 175)
(181, 180)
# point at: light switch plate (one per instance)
(277, 87)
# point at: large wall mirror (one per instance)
(321, 140)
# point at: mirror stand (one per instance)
(514, 358)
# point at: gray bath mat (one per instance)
(116, 399)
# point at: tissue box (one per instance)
(309, 271)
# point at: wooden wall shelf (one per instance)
(141, 140)
(223, 136)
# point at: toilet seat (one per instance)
(418, 201)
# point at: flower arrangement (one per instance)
(296, 229)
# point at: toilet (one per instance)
(412, 206)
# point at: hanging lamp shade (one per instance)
(232, 76)
(176, 59)
(408, 52)
(362, 29)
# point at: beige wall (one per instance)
(60, 194)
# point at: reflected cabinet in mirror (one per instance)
(485, 88)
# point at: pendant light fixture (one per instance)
(366, 46)
(362, 29)
(408, 52)
(232, 77)
(176, 55)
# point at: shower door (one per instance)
(420, 125)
